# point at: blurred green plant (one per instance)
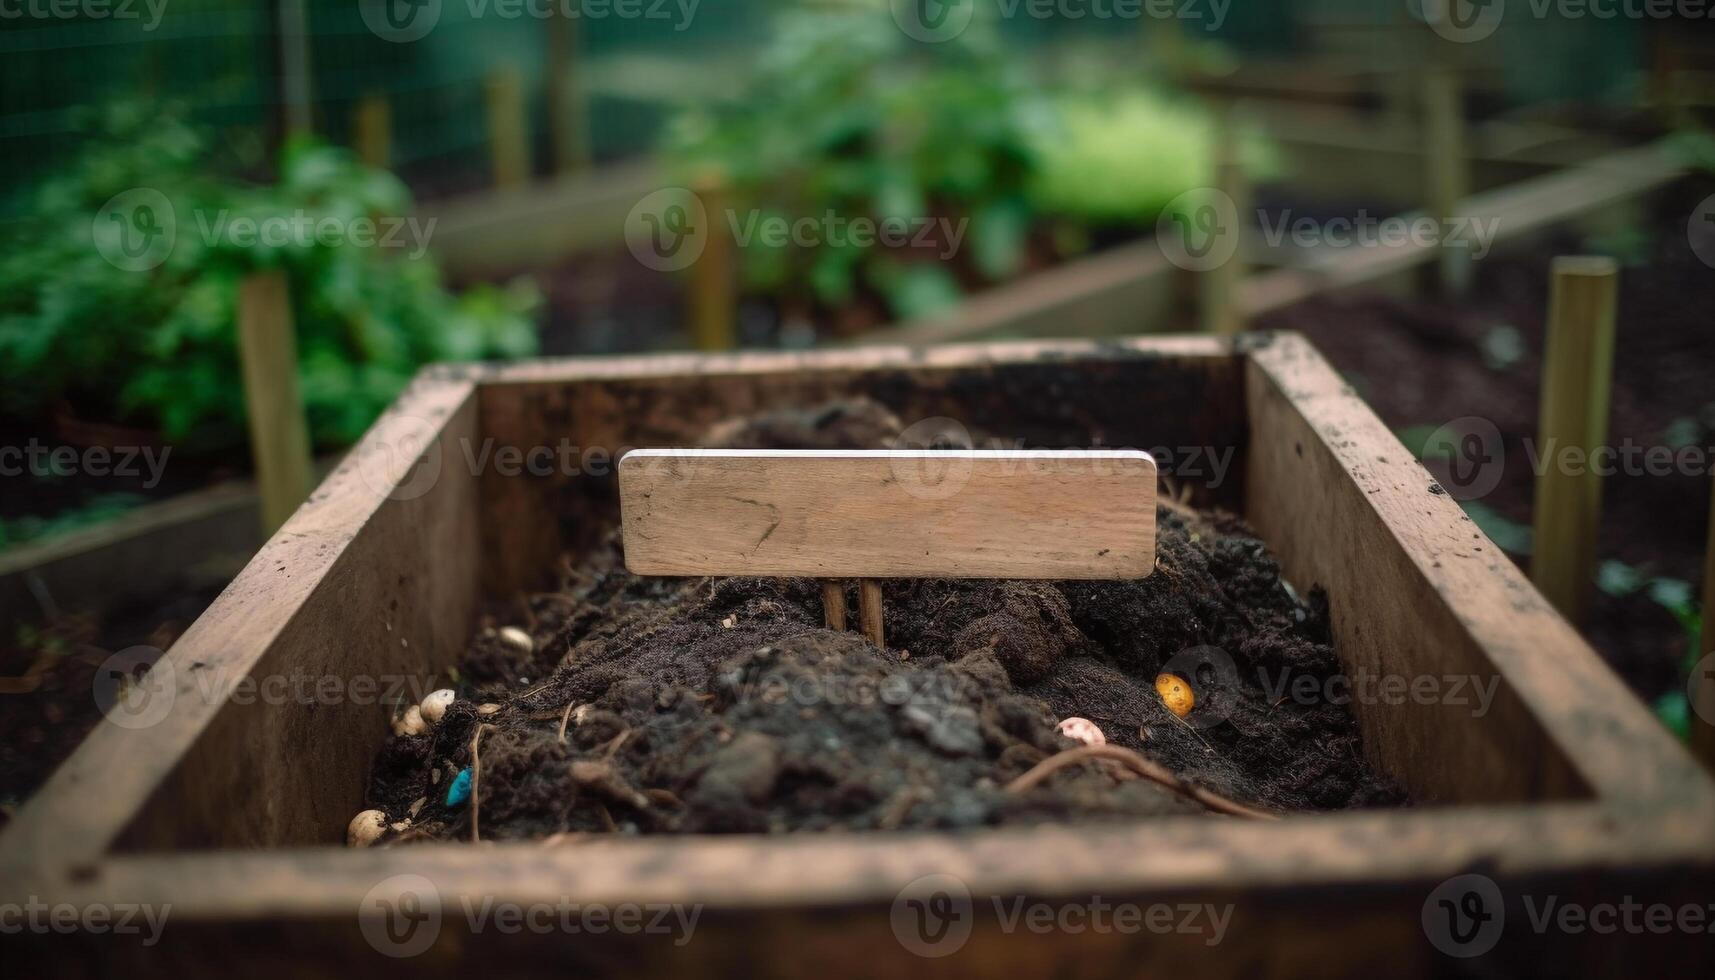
(158, 349)
(1119, 158)
(847, 117)
(1677, 597)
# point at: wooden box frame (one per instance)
(231, 813)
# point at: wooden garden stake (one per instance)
(869, 611)
(834, 603)
(875, 514)
(714, 293)
(1448, 176)
(1576, 378)
(279, 432)
(372, 130)
(508, 129)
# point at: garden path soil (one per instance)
(1423, 364)
(723, 705)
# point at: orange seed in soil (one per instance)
(1175, 693)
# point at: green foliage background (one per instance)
(158, 349)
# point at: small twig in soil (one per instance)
(565, 719)
(1143, 767)
(612, 747)
(476, 780)
(1194, 733)
(663, 796)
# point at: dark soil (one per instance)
(723, 705)
(1423, 364)
(49, 676)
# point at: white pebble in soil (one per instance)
(411, 723)
(365, 829)
(1082, 730)
(435, 705)
(514, 637)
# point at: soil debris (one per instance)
(724, 706)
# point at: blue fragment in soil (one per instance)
(458, 794)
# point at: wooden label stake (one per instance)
(870, 515)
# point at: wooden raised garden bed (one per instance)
(233, 812)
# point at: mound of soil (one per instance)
(654, 705)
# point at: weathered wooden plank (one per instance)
(368, 589)
(1032, 514)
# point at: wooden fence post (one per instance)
(1448, 171)
(508, 129)
(1577, 374)
(292, 34)
(714, 286)
(279, 432)
(1219, 287)
(372, 131)
(568, 111)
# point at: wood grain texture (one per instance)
(1029, 514)
(371, 584)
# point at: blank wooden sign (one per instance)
(1026, 514)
